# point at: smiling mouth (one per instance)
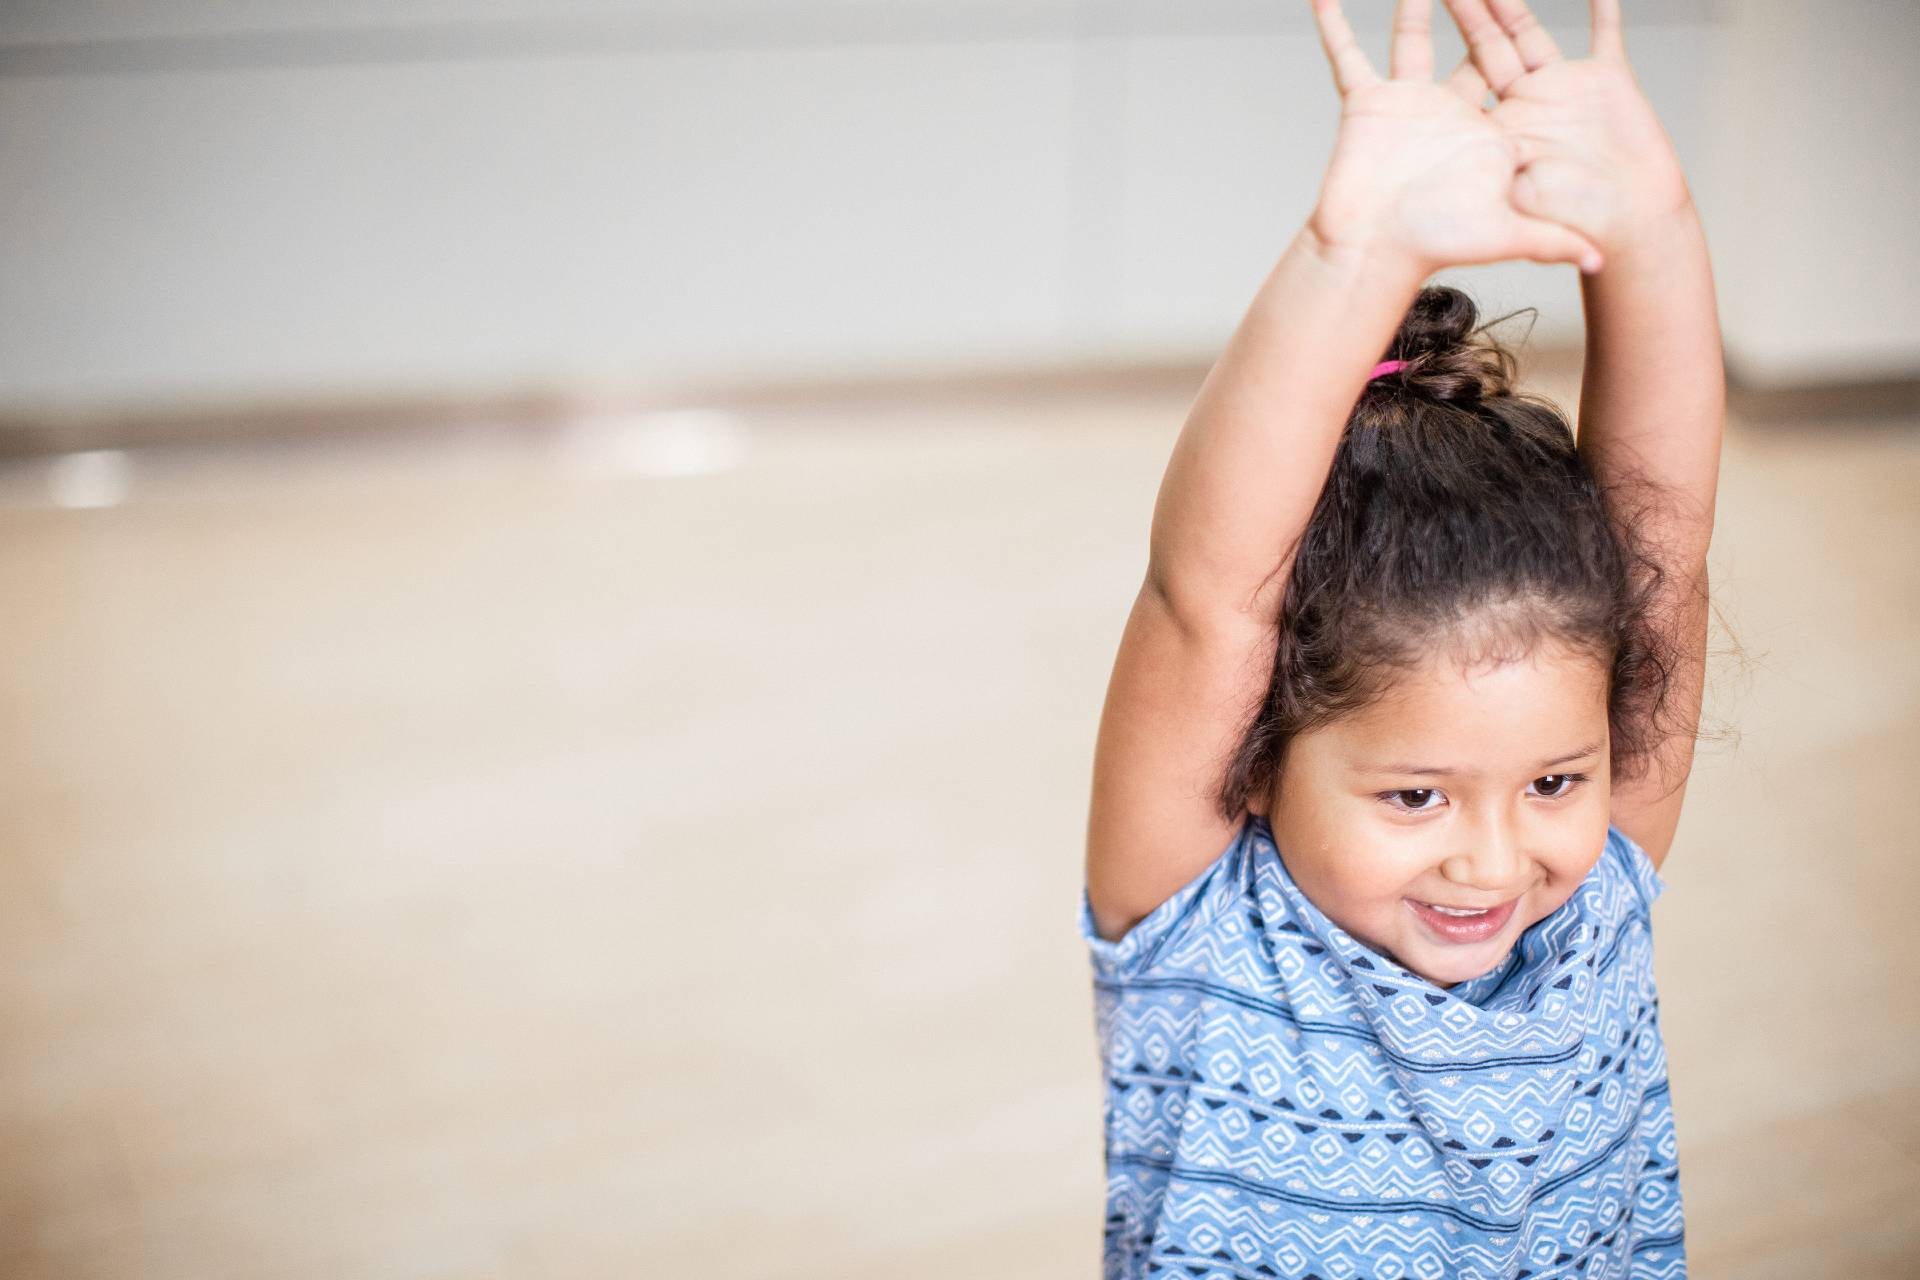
(1462, 924)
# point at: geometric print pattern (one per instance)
(1282, 1101)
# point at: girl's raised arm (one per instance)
(1420, 179)
(1653, 400)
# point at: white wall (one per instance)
(216, 202)
(1813, 192)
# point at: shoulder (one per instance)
(1192, 907)
(1625, 861)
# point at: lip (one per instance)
(1464, 929)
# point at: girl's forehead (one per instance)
(1545, 671)
(1441, 714)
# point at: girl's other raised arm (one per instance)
(1653, 402)
(1420, 179)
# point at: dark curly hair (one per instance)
(1458, 512)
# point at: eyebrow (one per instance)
(1440, 772)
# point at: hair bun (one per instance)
(1448, 356)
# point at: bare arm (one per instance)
(1243, 479)
(1594, 156)
(1420, 178)
(1653, 404)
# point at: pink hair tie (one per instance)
(1386, 367)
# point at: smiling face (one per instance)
(1441, 821)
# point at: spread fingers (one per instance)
(1487, 43)
(1411, 57)
(1530, 40)
(1351, 70)
(1608, 40)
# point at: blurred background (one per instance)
(560, 562)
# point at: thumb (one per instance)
(1544, 241)
(1570, 195)
(1527, 195)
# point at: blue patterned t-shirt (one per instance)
(1282, 1101)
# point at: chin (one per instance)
(1464, 967)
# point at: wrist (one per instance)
(1660, 203)
(1362, 257)
(1650, 241)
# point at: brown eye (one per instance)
(1413, 800)
(1556, 784)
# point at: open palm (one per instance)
(1591, 149)
(1418, 167)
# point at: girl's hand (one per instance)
(1591, 150)
(1419, 170)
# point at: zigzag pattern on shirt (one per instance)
(1282, 1101)
(1377, 1238)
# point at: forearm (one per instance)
(1653, 399)
(1254, 453)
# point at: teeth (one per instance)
(1457, 911)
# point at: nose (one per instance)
(1489, 858)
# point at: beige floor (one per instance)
(486, 857)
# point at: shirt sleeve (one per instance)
(1188, 909)
(1633, 860)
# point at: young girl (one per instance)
(1429, 674)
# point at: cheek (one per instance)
(1339, 855)
(1574, 865)
(1568, 866)
(1372, 875)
